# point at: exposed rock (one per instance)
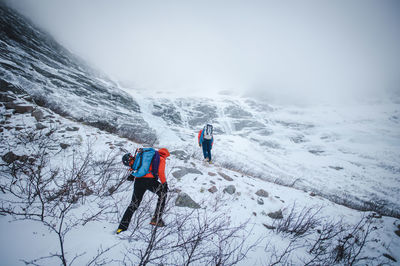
(19, 108)
(184, 200)
(316, 152)
(212, 182)
(226, 177)
(168, 113)
(212, 174)
(111, 190)
(10, 157)
(262, 193)
(230, 189)
(4, 97)
(180, 154)
(235, 111)
(376, 215)
(275, 215)
(184, 171)
(260, 201)
(251, 124)
(213, 189)
(397, 232)
(37, 114)
(72, 129)
(337, 168)
(269, 226)
(40, 126)
(312, 194)
(64, 146)
(120, 144)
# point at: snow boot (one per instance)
(119, 230)
(157, 222)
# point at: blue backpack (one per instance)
(144, 157)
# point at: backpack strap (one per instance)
(155, 163)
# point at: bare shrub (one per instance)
(298, 223)
(191, 236)
(327, 242)
(36, 189)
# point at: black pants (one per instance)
(140, 187)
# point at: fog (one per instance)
(282, 50)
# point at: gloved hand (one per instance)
(200, 145)
(131, 178)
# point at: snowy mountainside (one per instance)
(96, 202)
(32, 62)
(348, 154)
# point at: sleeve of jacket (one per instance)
(200, 137)
(161, 171)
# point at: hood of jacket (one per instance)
(163, 152)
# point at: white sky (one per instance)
(300, 49)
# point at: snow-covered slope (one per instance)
(98, 201)
(348, 154)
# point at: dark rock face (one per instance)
(56, 78)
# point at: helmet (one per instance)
(126, 159)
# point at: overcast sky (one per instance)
(301, 49)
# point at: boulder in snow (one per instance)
(262, 193)
(37, 114)
(230, 189)
(275, 215)
(72, 129)
(226, 177)
(184, 171)
(184, 200)
(180, 154)
(260, 201)
(213, 189)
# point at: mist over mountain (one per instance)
(332, 165)
(291, 52)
